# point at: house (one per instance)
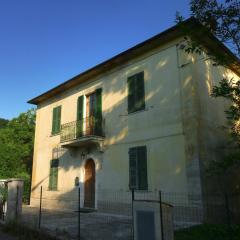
(143, 119)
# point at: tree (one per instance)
(3, 122)
(16, 148)
(221, 19)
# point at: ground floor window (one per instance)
(138, 168)
(53, 175)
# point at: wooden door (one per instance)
(89, 184)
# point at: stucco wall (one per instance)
(169, 126)
(213, 138)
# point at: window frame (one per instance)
(137, 170)
(50, 182)
(56, 120)
(136, 97)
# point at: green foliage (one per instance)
(230, 90)
(209, 232)
(3, 122)
(221, 18)
(16, 148)
(223, 165)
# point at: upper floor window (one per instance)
(56, 120)
(138, 168)
(136, 92)
(90, 106)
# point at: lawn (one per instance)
(209, 232)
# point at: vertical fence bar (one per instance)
(228, 217)
(16, 207)
(133, 198)
(161, 214)
(40, 209)
(79, 201)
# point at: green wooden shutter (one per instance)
(99, 102)
(140, 91)
(142, 168)
(79, 124)
(133, 168)
(53, 176)
(131, 94)
(56, 120)
(136, 93)
(98, 113)
(80, 108)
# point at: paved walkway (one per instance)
(94, 225)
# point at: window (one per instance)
(53, 176)
(56, 120)
(93, 111)
(136, 93)
(138, 168)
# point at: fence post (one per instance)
(40, 209)
(228, 216)
(133, 198)
(79, 201)
(161, 214)
(16, 213)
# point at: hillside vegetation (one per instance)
(16, 148)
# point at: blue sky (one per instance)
(45, 42)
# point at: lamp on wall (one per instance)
(83, 155)
(76, 181)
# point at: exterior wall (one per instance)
(169, 127)
(212, 137)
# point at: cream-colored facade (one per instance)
(180, 126)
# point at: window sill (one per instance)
(54, 134)
(53, 190)
(138, 111)
(140, 191)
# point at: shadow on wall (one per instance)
(163, 110)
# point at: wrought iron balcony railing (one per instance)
(90, 126)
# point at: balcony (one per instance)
(82, 133)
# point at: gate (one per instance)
(152, 218)
(3, 199)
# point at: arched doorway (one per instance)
(89, 184)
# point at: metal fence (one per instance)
(63, 215)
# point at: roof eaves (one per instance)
(133, 52)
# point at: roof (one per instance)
(170, 34)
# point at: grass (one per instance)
(209, 232)
(24, 233)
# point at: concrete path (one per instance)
(94, 225)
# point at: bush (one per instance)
(209, 232)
